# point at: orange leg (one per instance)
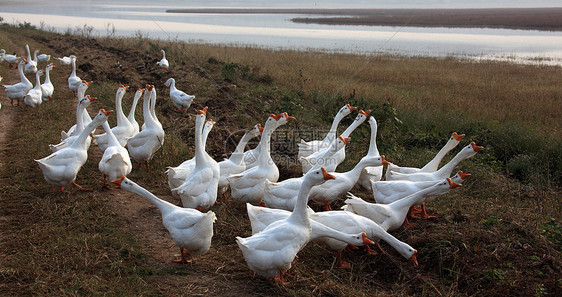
(424, 214)
(104, 185)
(182, 260)
(351, 247)
(80, 187)
(327, 206)
(341, 263)
(369, 251)
(408, 224)
(410, 214)
(280, 279)
(262, 204)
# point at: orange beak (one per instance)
(475, 147)
(149, 87)
(124, 87)
(277, 117)
(384, 162)
(202, 111)
(118, 181)
(140, 90)
(327, 176)
(88, 83)
(366, 113)
(288, 117)
(212, 122)
(260, 128)
(462, 175)
(452, 184)
(366, 241)
(413, 258)
(458, 137)
(106, 112)
(345, 140)
(91, 98)
(351, 107)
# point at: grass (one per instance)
(499, 234)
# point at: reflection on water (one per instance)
(278, 32)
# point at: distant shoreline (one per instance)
(546, 19)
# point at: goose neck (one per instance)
(79, 116)
(350, 129)
(121, 118)
(448, 168)
(73, 61)
(413, 199)
(199, 145)
(81, 141)
(331, 136)
(163, 206)
(373, 150)
(300, 214)
(112, 140)
(131, 116)
(148, 120)
(47, 76)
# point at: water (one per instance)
(278, 32)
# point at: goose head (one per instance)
(318, 176)
(475, 147)
(256, 130)
(169, 82)
(457, 137)
(87, 100)
(345, 110)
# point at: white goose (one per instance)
(342, 221)
(433, 165)
(235, 164)
(191, 230)
(332, 190)
(248, 186)
(199, 190)
(163, 62)
(391, 216)
(65, 61)
(386, 192)
(131, 116)
(43, 58)
(271, 252)
(47, 88)
(73, 80)
(306, 148)
(180, 99)
(445, 171)
(85, 116)
(178, 174)
(115, 161)
(33, 96)
(10, 59)
(251, 157)
(80, 125)
(338, 157)
(369, 174)
(18, 91)
(31, 64)
(60, 168)
(144, 144)
(283, 194)
(123, 130)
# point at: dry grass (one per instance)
(495, 236)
